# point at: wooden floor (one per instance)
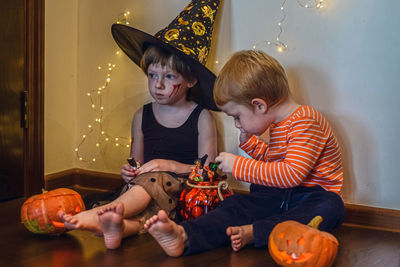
(19, 247)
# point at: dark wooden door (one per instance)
(12, 86)
(21, 87)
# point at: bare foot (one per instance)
(240, 236)
(70, 222)
(111, 223)
(167, 233)
(85, 220)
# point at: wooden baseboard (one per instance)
(84, 178)
(356, 215)
(372, 217)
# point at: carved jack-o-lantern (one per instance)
(295, 244)
(39, 212)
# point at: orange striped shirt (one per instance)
(302, 150)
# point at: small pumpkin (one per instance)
(294, 244)
(39, 213)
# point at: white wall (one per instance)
(61, 28)
(341, 60)
(344, 63)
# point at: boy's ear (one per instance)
(259, 105)
(192, 83)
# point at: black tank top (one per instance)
(179, 144)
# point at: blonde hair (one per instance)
(250, 74)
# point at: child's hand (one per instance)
(226, 161)
(155, 165)
(128, 173)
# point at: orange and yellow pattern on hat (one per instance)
(191, 30)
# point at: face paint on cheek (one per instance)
(175, 90)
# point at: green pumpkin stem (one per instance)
(315, 222)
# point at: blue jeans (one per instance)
(264, 207)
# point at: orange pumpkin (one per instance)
(39, 212)
(295, 244)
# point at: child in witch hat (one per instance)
(169, 134)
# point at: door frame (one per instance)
(34, 85)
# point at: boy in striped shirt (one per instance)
(296, 175)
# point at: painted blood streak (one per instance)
(175, 90)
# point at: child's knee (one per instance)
(332, 211)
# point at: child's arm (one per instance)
(255, 148)
(307, 141)
(136, 146)
(207, 142)
(156, 165)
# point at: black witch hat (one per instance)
(188, 36)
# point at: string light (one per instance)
(96, 104)
(123, 18)
(280, 45)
